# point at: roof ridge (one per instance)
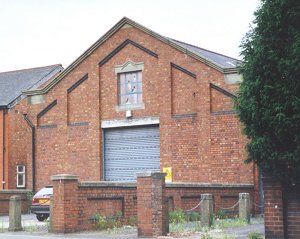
(201, 48)
(33, 68)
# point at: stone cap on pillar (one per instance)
(244, 195)
(206, 196)
(15, 198)
(64, 177)
(152, 174)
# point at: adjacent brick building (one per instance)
(15, 137)
(135, 101)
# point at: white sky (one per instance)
(44, 32)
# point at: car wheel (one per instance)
(41, 217)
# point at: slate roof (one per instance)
(223, 61)
(13, 83)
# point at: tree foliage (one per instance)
(269, 98)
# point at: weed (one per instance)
(216, 236)
(103, 223)
(177, 227)
(132, 221)
(29, 197)
(230, 222)
(221, 214)
(206, 236)
(31, 228)
(177, 217)
(255, 235)
(2, 228)
(193, 217)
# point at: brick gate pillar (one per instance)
(274, 224)
(65, 203)
(152, 206)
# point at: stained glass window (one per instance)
(130, 88)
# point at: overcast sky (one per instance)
(44, 32)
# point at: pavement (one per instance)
(33, 229)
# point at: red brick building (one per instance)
(15, 146)
(135, 101)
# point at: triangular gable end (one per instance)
(125, 23)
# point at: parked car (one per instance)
(41, 203)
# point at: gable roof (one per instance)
(217, 61)
(13, 83)
(223, 61)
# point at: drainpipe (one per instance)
(3, 162)
(32, 148)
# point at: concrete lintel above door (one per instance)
(129, 122)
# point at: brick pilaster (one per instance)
(273, 207)
(65, 200)
(152, 207)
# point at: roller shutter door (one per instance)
(130, 150)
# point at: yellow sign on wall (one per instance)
(168, 172)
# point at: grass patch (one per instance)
(2, 228)
(229, 222)
(216, 236)
(255, 235)
(30, 228)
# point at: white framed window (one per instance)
(20, 176)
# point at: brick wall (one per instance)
(198, 145)
(293, 212)
(79, 202)
(282, 209)
(4, 200)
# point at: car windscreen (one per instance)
(44, 192)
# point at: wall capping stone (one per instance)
(99, 184)
(168, 185)
(64, 177)
(16, 191)
(207, 185)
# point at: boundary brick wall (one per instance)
(282, 209)
(4, 200)
(83, 200)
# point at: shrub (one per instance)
(177, 217)
(103, 222)
(193, 217)
(132, 221)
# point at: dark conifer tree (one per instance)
(269, 99)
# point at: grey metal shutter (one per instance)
(130, 150)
